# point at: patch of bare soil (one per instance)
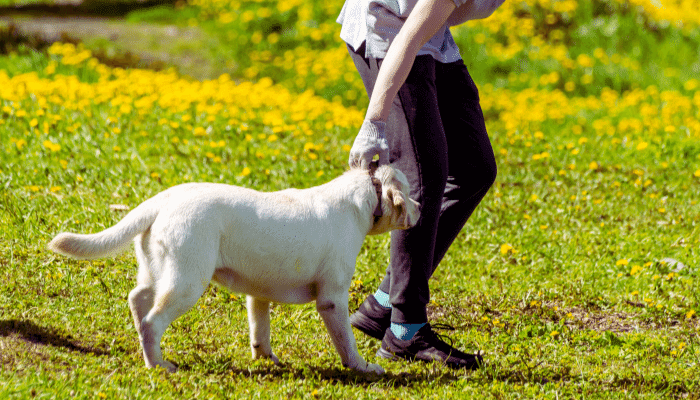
(114, 41)
(577, 318)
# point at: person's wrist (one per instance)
(374, 129)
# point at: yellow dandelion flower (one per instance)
(697, 173)
(246, 171)
(642, 145)
(506, 248)
(554, 334)
(622, 261)
(54, 147)
(55, 189)
(593, 165)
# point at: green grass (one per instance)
(561, 277)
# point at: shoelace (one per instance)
(443, 327)
(442, 338)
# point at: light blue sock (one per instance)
(405, 331)
(382, 298)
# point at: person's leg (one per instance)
(418, 148)
(456, 134)
(412, 250)
(472, 165)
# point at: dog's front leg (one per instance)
(259, 324)
(333, 308)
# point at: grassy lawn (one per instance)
(577, 276)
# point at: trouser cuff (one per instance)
(416, 314)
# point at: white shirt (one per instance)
(377, 22)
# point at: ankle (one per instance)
(405, 331)
(382, 298)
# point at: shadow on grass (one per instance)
(48, 336)
(335, 375)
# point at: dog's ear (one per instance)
(399, 210)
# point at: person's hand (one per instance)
(370, 141)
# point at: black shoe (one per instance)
(371, 318)
(426, 345)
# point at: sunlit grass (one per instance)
(566, 276)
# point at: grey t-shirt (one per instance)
(377, 22)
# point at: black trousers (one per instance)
(437, 137)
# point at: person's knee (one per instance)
(474, 178)
(490, 172)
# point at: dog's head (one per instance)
(399, 211)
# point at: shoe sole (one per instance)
(393, 357)
(367, 325)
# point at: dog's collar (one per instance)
(378, 187)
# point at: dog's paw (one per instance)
(272, 357)
(167, 365)
(370, 368)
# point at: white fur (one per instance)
(291, 246)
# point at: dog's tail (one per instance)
(110, 241)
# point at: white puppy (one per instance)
(291, 246)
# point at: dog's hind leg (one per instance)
(259, 324)
(140, 302)
(170, 302)
(141, 298)
(182, 277)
